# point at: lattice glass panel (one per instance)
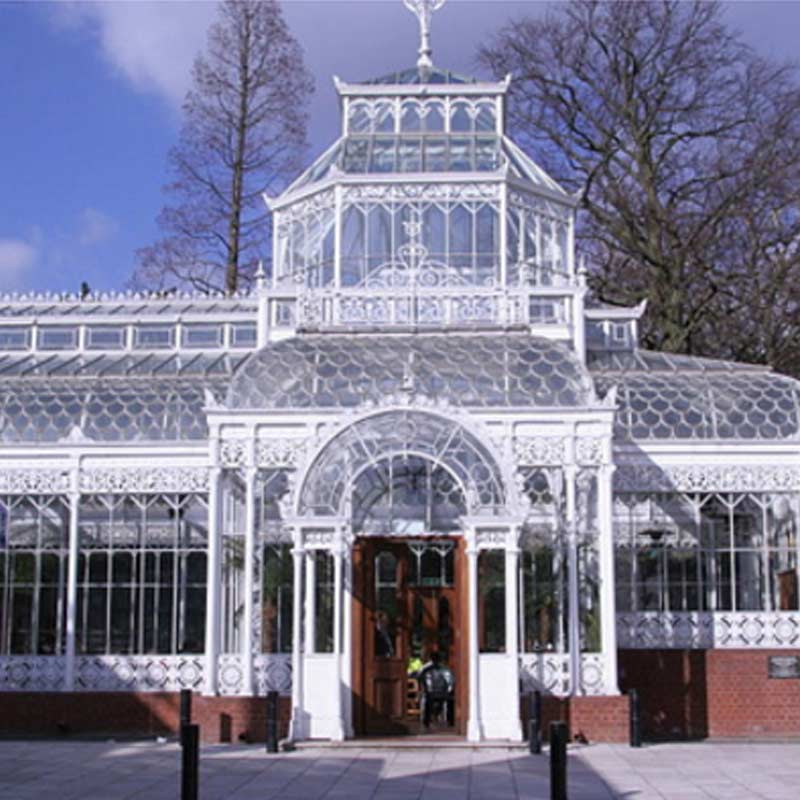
(343, 371)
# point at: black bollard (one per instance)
(186, 710)
(636, 718)
(535, 724)
(272, 722)
(558, 761)
(190, 761)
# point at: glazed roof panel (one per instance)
(474, 371)
(666, 396)
(110, 398)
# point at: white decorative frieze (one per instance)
(650, 630)
(589, 449)
(279, 452)
(706, 478)
(233, 452)
(493, 538)
(319, 539)
(34, 481)
(138, 673)
(122, 480)
(419, 191)
(540, 450)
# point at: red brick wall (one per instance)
(717, 693)
(743, 701)
(592, 719)
(221, 719)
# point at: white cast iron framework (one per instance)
(182, 478)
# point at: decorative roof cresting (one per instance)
(423, 9)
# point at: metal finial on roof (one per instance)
(424, 11)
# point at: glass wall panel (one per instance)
(323, 602)
(34, 534)
(491, 601)
(706, 552)
(142, 574)
(277, 576)
(543, 599)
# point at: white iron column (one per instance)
(214, 579)
(296, 731)
(338, 548)
(251, 475)
(474, 733)
(573, 594)
(347, 643)
(608, 616)
(72, 583)
(512, 616)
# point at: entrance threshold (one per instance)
(424, 742)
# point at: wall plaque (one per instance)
(783, 666)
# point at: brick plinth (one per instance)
(589, 719)
(221, 719)
(716, 693)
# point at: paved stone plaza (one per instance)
(113, 771)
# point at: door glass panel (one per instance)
(386, 608)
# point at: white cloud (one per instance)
(95, 226)
(16, 258)
(152, 44)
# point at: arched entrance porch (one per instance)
(394, 515)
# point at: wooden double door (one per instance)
(407, 602)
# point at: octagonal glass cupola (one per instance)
(424, 214)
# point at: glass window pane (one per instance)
(276, 598)
(243, 335)
(323, 599)
(491, 601)
(154, 337)
(57, 338)
(195, 336)
(105, 337)
(14, 338)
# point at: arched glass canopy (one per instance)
(331, 371)
(392, 459)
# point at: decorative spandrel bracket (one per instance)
(423, 9)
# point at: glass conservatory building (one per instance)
(416, 435)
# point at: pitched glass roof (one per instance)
(110, 398)
(335, 371)
(407, 153)
(666, 396)
(413, 76)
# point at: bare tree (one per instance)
(244, 132)
(683, 145)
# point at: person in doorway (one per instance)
(436, 685)
(384, 640)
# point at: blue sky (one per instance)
(90, 99)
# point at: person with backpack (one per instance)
(436, 684)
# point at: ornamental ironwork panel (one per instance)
(704, 630)
(139, 673)
(32, 673)
(272, 673)
(549, 673)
